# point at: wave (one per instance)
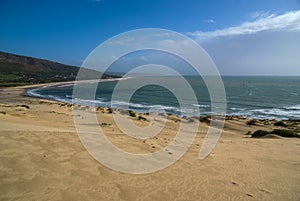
(201, 106)
(34, 93)
(143, 107)
(294, 107)
(257, 112)
(288, 112)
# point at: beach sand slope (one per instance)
(41, 158)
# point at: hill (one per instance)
(22, 70)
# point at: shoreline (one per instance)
(202, 118)
(53, 84)
(37, 86)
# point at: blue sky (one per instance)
(243, 37)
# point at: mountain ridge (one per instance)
(18, 70)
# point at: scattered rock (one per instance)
(248, 194)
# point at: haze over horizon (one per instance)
(243, 38)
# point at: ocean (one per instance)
(256, 97)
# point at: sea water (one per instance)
(261, 97)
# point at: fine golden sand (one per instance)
(41, 158)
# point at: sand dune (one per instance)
(41, 158)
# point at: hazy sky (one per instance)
(243, 37)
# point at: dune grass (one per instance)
(279, 132)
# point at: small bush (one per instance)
(105, 124)
(280, 123)
(99, 109)
(285, 133)
(259, 133)
(204, 119)
(251, 122)
(190, 120)
(131, 113)
(141, 118)
(248, 133)
(279, 132)
(109, 110)
(294, 120)
(26, 106)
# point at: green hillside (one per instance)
(18, 70)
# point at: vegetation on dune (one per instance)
(280, 123)
(142, 118)
(131, 113)
(285, 133)
(105, 124)
(204, 119)
(279, 132)
(259, 133)
(294, 120)
(251, 122)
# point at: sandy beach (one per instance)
(41, 158)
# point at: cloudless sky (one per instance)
(66, 31)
